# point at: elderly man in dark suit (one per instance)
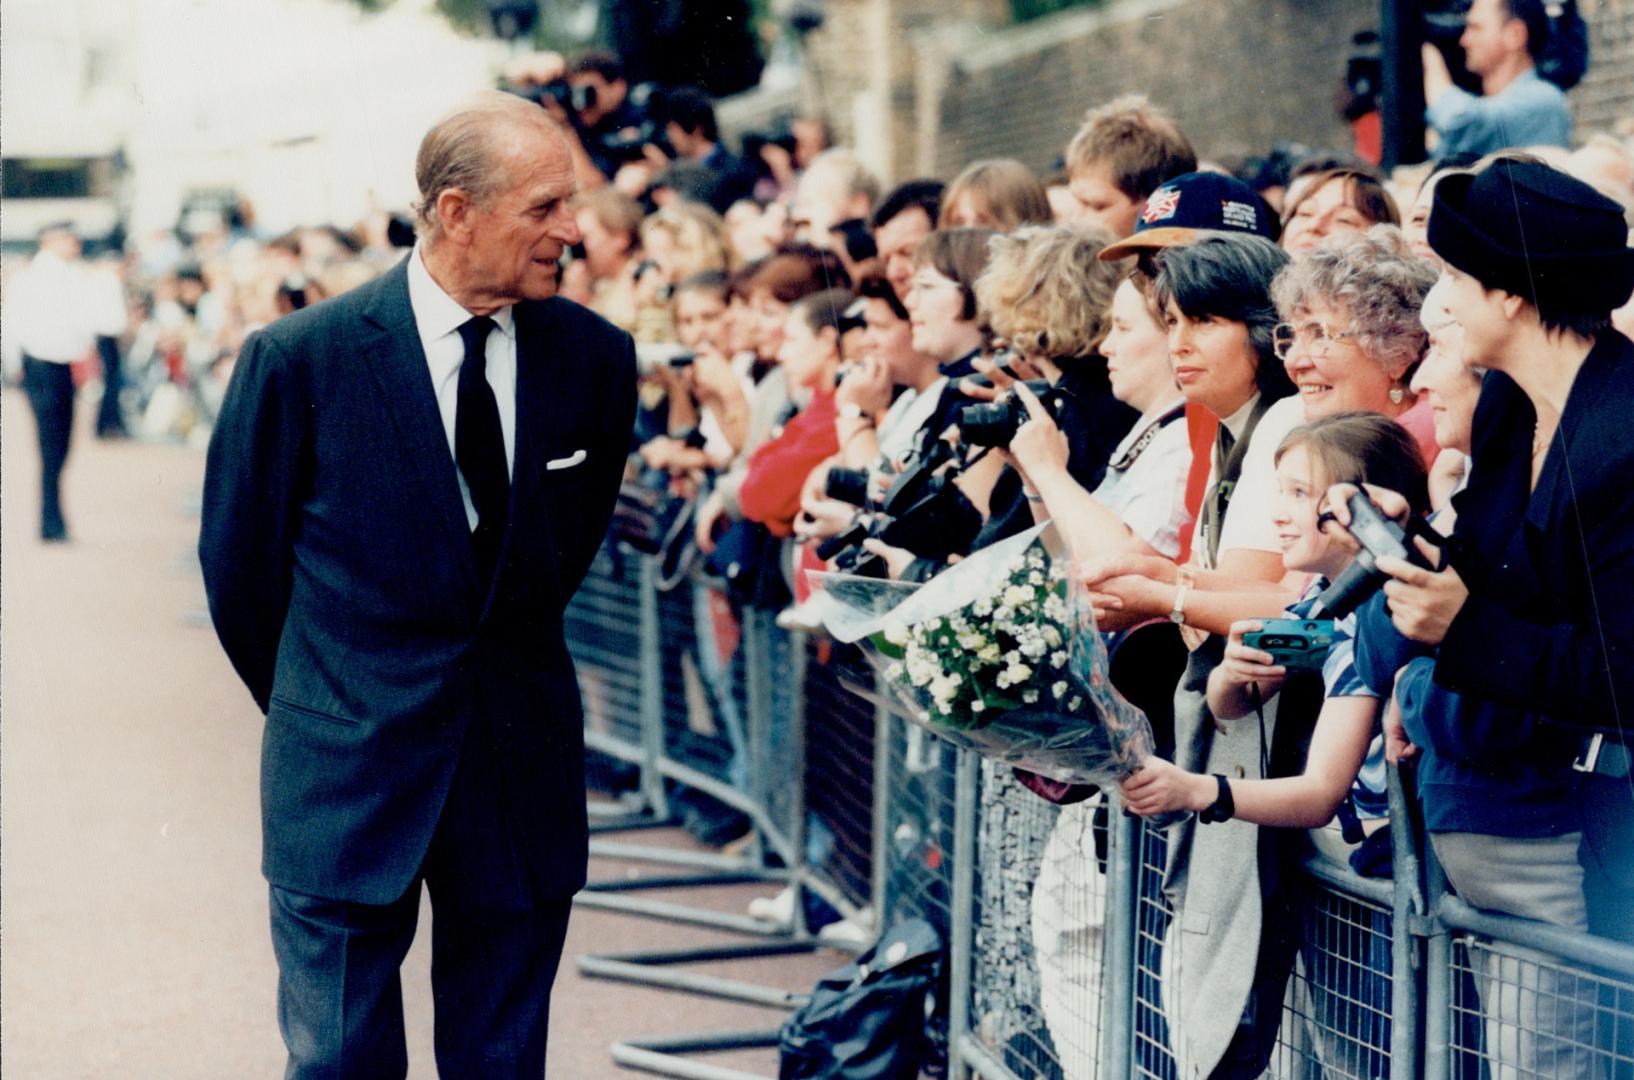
(406, 485)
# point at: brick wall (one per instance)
(926, 86)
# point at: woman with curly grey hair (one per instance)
(1350, 339)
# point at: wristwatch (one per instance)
(1224, 807)
(1178, 615)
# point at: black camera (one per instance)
(848, 486)
(996, 423)
(1379, 537)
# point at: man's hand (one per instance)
(1397, 746)
(1162, 786)
(1437, 79)
(867, 386)
(1423, 603)
(1156, 567)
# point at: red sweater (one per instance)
(770, 493)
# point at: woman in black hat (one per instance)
(1536, 609)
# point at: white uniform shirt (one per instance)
(438, 317)
(47, 310)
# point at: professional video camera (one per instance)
(1379, 537)
(995, 423)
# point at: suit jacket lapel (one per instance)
(399, 365)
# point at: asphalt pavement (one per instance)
(133, 921)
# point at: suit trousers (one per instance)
(51, 394)
(495, 947)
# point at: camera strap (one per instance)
(1228, 466)
(1128, 458)
(1265, 744)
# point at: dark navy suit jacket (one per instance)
(344, 587)
(1549, 624)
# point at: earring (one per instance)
(1396, 394)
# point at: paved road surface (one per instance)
(132, 909)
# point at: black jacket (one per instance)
(344, 588)
(1549, 623)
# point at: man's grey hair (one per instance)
(463, 150)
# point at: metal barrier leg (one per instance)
(1122, 923)
(774, 808)
(662, 1057)
(960, 957)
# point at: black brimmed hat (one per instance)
(1193, 204)
(1533, 231)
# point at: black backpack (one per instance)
(869, 1019)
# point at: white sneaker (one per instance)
(777, 909)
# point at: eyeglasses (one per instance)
(1284, 336)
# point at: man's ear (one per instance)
(1513, 305)
(454, 209)
(1514, 35)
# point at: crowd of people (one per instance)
(1195, 373)
(1223, 390)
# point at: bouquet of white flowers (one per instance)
(999, 653)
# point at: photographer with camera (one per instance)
(1530, 612)
(1517, 107)
(708, 404)
(691, 132)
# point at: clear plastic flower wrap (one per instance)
(999, 653)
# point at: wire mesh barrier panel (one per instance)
(1040, 906)
(839, 776)
(700, 646)
(602, 628)
(1336, 1019)
(1519, 1013)
(778, 739)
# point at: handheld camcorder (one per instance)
(1379, 537)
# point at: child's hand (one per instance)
(1162, 786)
(1243, 665)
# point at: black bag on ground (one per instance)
(868, 1020)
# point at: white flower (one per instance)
(1019, 672)
(1058, 658)
(972, 640)
(983, 607)
(1075, 704)
(990, 652)
(894, 672)
(1017, 595)
(1059, 690)
(1035, 578)
(1034, 647)
(1004, 679)
(978, 706)
(1030, 697)
(896, 633)
(1002, 617)
(1052, 636)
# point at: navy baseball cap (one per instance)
(1194, 203)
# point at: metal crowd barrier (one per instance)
(1055, 917)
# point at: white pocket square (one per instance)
(576, 458)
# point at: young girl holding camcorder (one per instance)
(1351, 447)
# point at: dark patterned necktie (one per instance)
(479, 446)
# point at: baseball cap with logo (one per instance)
(1192, 204)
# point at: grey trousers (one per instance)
(1539, 1017)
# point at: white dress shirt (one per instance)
(439, 317)
(47, 307)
